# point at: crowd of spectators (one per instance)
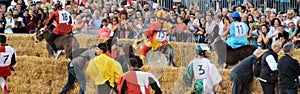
(128, 19)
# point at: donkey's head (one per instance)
(42, 33)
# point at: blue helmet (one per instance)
(236, 15)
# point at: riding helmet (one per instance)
(236, 15)
(161, 14)
(201, 48)
(58, 5)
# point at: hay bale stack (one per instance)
(25, 45)
(35, 75)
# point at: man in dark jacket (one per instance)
(242, 74)
(268, 74)
(78, 63)
(288, 71)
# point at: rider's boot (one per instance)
(144, 50)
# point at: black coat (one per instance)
(288, 72)
(244, 69)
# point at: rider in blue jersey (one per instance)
(238, 32)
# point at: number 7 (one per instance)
(6, 57)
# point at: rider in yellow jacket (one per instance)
(156, 33)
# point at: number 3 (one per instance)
(201, 71)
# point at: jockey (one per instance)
(136, 81)
(63, 20)
(204, 72)
(8, 59)
(237, 33)
(156, 33)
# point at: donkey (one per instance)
(225, 53)
(65, 42)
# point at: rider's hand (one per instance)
(46, 26)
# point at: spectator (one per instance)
(209, 26)
(105, 24)
(115, 26)
(9, 23)
(19, 26)
(2, 23)
(254, 33)
(193, 24)
(282, 36)
(3, 8)
(147, 19)
(242, 75)
(180, 27)
(268, 74)
(288, 71)
(42, 20)
(275, 23)
(289, 19)
(250, 19)
(263, 20)
(263, 40)
(78, 25)
(31, 22)
(139, 24)
(202, 32)
(88, 23)
(292, 30)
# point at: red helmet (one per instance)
(58, 5)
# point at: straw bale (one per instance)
(25, 46)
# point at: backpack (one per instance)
(257, 67)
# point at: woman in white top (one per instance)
(9, 23)
(275, 23)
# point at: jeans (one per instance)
(267, 88)
(237, 86)
(288, 91)
(71, 80)
(104, 89)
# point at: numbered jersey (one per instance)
(240, 29)
(161, 35)
(201, 69)
(205, 69)
(6, 54)
(63, 22)
(64, 16)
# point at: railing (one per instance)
(205, 5)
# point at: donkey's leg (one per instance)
(50, 50)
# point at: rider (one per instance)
(203, 71)
(8, 59)
(156, 33)
(237, 33)
(63, 20)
